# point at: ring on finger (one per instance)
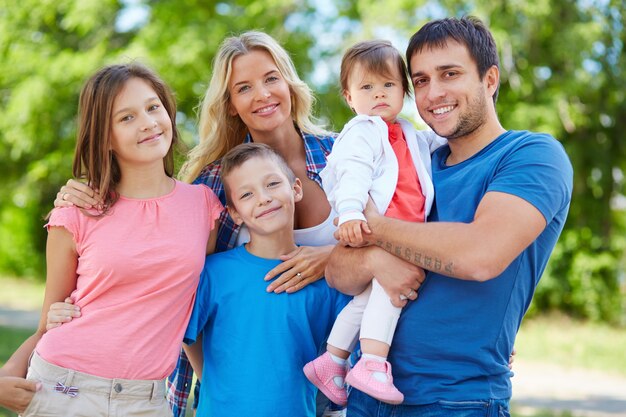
(64, 197)
(410, 293)
(299, 275)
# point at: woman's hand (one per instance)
(60, 313)
(16, 393)
(75, 193)
(299, 268)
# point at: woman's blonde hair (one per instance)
(219, 130)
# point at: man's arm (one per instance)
(350, 270)
(504, 225)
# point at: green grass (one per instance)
(551, 339)
(563, 341)
(10, 339)
(6, 413)
(21, 293)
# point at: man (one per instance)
(501, 199)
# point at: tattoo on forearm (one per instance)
(418, 258)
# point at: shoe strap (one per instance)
(376, 366)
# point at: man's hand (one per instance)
(400, 279)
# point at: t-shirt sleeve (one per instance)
(202, 308)
(539, 172)
(213, 203)
(67, 217)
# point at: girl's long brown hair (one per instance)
(94, 160)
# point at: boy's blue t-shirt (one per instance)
(255, 343)
(454, 342)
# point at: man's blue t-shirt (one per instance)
(255, 343)
(454, 342)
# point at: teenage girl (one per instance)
(132, 264)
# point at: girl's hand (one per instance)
(60, 313)
(75, 193)
(16, 393)
(301, 267)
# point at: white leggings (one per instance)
(371, 312)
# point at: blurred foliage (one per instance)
(562, 66)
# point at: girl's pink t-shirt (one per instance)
(138, 269)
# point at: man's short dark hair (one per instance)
(469, 31)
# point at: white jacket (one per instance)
(362, 162)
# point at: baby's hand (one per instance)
(350, 233)
(60, 313)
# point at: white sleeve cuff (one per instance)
(351, 215)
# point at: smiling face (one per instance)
(259, 93)
(375, 94)
(262, 197)
(141, 127)
(449, 94)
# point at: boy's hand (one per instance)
(351, 232)
(16, 393)
(60, 313)
(75, 193)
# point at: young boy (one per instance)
(254, 344)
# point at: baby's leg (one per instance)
(372, 373)
(380, 319)
(328, 371)
(344, 334)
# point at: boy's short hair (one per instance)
(238, 155)
(373, 56)
(468, 31)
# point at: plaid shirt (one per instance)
(317, 149)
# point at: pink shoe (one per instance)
(362, 378)
(321, 372)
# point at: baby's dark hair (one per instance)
(238, 155)
(373, 56)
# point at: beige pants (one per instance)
(67, 393)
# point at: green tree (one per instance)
(562, 71)
(47, 49)
(562, 66)
(50, 47)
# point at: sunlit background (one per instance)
(562, 66)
